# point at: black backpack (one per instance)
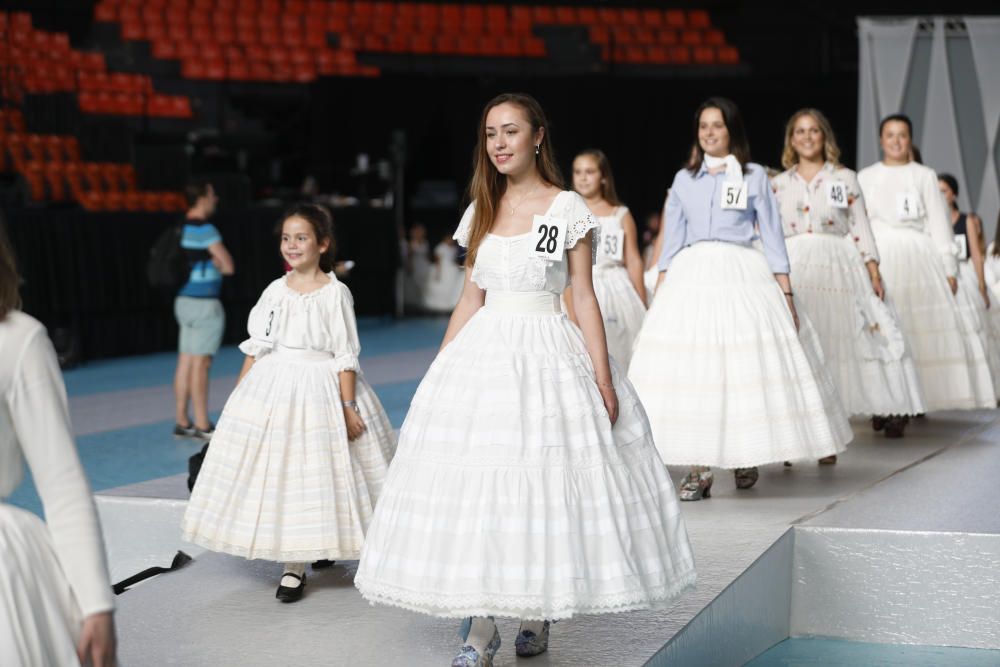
(168, 267)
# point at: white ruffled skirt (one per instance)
(949, 355)
(621, 308)
(980, 318)
(39, 615)
(862, 342)
(511, 494)
(281, 481)
(723, 374)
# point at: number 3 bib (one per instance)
(734, 195)
(549, 237)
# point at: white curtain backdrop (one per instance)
(889, 82)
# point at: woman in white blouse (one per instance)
(55, 598)
(836, 267)
(916, 245)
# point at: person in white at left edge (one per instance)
(303, 445)
(837, 282)
(974, 295)
(56, 604)
(618, 272)
(526, 483)
(719, 364)
(917, 250)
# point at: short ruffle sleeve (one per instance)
(344, 332)
(461, 234)
(261, 323)
(579, 220)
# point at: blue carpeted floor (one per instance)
(117, 457)
(808, 652)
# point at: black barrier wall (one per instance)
(84, 273)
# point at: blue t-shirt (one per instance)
(205, 281)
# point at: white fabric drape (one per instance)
(984, 35)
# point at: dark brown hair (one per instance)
(10, 281)
(195, 190)
(488, 185)
(608, 191)
(322, 223)
(731, 116)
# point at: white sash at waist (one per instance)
(300, 354)
(523, 302)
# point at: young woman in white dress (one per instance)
(974, 294)
(618, 272)
(301, 451)
(55, 599)
(917, 250)
(526, 483)
(718, 363)
(837, 282)
(444, 279)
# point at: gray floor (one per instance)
(221, 611)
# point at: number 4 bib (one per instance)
(549, 237)
(734, 195)
(908, 205)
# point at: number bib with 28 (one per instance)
(548, 235)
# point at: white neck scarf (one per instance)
(733, 170)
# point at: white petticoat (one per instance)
(621, 309)
(863, 344)
(980, 318)
(722, 373)
(281, 481)
(948, 354)
(39, 616)
(512, 495)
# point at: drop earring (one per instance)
(538, 149)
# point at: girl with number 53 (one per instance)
(526, 483)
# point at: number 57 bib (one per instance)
(548, 237)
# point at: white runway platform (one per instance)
(943, 477)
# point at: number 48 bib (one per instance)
(548, 236)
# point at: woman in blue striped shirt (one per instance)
(719, 364)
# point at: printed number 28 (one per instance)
(549, 236)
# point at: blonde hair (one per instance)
(831, 151)
(488, 185)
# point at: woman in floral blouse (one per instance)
(836, 266)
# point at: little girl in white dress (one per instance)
(303, 445)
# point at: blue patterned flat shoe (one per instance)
(470, 657)
(528, 644)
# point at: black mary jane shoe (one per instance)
(323, 563)
(291, 593)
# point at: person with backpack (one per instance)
(199, 311)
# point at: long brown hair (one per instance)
(608, 191)
(322, 223)
(731, 116)
(996, 239)
(488, 185)
(831, 151)
(10, 281)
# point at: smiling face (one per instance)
(713, 135)
(807, 138)
(510, 139)
(896, 142)
(587, 176)
(299, 246)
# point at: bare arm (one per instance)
(247, 363)
(633, 260)
(588, 314)
(472, 299)
(570, 306)
(786, 286)
(222, 259)
(974, 232)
